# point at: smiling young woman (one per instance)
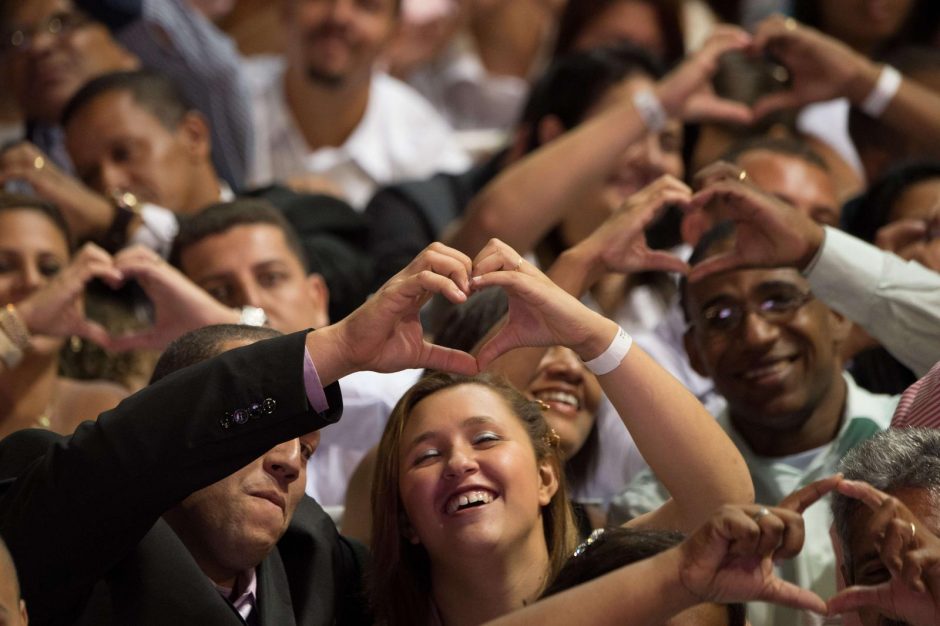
(470, 512)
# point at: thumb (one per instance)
(714, 265)
(857, 597)
(448, 360)
(775, 102)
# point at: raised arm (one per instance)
(665, 420)
(526, 200)
(823, 68)
(896, 301)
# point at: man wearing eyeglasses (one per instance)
(773, 352)
(51, 48)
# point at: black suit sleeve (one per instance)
(79, 508)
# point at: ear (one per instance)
(320, 295)
(695, 357)
(548, 482)
(550, 127)
(194, 131)
(841, 327)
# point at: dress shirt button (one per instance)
(268, 405)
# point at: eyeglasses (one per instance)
(58, 25)
(777, 307)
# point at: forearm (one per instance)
(645, 592)
(896, 301)
(530, 197)
(683, 444)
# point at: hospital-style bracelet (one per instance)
(881, 95)
(613, 355)
(651, 110)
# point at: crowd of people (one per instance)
(458, 312)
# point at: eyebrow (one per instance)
(473, 420)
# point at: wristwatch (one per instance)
(253, 316)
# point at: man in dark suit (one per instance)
(109, 525)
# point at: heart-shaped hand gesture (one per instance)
(909, 551)
(540, 312)
(731, 558)
(57, 309)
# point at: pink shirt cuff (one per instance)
(315, 394)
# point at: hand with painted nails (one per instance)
(908, 554)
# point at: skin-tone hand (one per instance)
(57, 309)
(619, 244)
(540, 312)
(686, 92)
(88, 214)
(910, 552)
(821, 68)
(731, 558)
(912, 240)
(769, 232)
(179, 304)
(385, 334)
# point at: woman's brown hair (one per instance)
(400, 583)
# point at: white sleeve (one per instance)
(157, 230)
(896, 301)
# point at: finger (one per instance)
(496, 256)
(772, 530)
(862, 491)
(901, 233)
(448, 360)
(94, 332)
(859, 597)
(743, 530)
(788, 594)
(708, 107)
(426, 283)
(723, 39)
(445, 261)
(143, 340)
(663, 261)
(794, 534)
(803, 498)
(723, 262)
(778, 101)
(897, 539)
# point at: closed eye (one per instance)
(485, 437)
(425, 456)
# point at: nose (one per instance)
(563, 364)
(460, 462)
(29, 279)
(112, 177)
(284, 462)
(758, 331)
(249, 293)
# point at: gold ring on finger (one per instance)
(742, 176)
(762, 512)
(39, 163)
(790, 24)
(913, 530)
(518, 264)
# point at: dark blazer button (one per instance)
(240, 416)
(268, 405)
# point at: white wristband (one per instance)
(889, 81)
(651, 110)
(613, 355)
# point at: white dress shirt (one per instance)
(400, 137)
